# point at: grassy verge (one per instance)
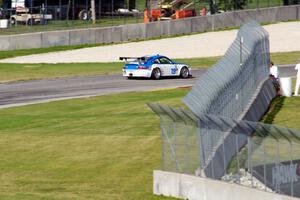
(15, 72)
(284, 111)
(95, 148)
(25, 52)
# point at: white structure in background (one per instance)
(274, 70)
(286, 86)
(18, 3)
(298, 79)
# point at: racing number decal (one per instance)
(174, 70)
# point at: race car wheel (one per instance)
(184, 72)
(84, 15)
(13, 21)
(31, 22)
(156, 74)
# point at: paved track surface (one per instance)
(284, 37)
(40, 91)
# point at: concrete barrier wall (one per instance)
(198, 188)
(131, 32)
(55, 38)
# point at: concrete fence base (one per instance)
(197, 188)
(130, 32)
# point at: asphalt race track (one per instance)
(40, 91)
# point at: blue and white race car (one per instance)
(154, 67)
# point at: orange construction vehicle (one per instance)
(161, 10)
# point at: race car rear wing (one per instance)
(137, 58)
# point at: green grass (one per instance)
(286, 58)
(97, 148)
(25, 52)
(289, 115)
(252, 4)
(15, 72)
(284, 111)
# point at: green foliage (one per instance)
(227, 5)
(14, 72)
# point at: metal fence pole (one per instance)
(277, 160)
(162, 145)
(73, 10)
(265, 170)
(99, 9)
(201, 147)
(60, 10)
(224, 155)
(186, 132)
(250, 159)
(112, 11)
(292, 182)
(174, 144)
(10, 14)
(237, 152)
(31, 17)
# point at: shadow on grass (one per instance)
(274, 109)
(268, 118)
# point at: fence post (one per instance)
(277, 160)
(237, 152)
(249, 158)
(163, 148)
(174, 143)
(292, 182)
(265, 170)
(224, 155)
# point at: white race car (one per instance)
(154, 67)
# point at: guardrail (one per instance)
(139, 31)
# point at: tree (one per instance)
(232, 4)
(5, 3)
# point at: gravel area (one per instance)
(284, 37)
(244, 178)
